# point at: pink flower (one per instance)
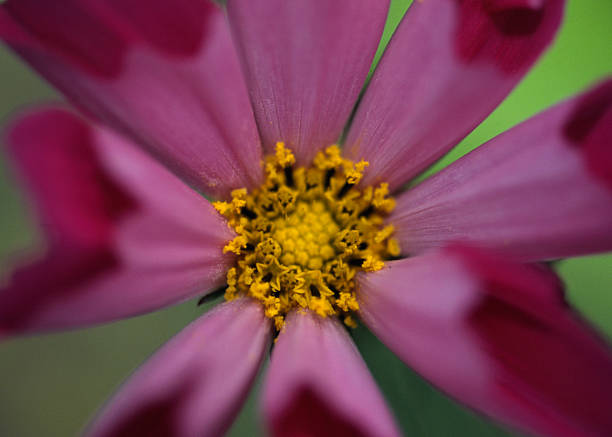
(127, 234)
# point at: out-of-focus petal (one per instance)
(123, 235)
(305, 63)
(318, 385)
(496, 336)
(449, 64)
(196, 384)
(542, 190)
(166, 74)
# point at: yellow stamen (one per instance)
(381, 199)
(354, 175)
(371, 264)
(284, 156)
(350, 322)
(236, 245)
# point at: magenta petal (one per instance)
(194, 385)
(449, 64)
(542, 190)
(305, 63)
(167, 76)
(497, 336)
(123, 235)
(318, 385)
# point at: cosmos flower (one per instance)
(180, 104)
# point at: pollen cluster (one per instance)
(304, 234)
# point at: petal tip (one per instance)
(511, 34)
(589, 127)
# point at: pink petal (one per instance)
(124, 236)
(542, 190)
(196, 384)
(449, 64)
(305, 63)
(167, 76)
(497, 336)
(318, 385)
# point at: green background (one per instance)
(51, 385)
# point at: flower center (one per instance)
(304, 234)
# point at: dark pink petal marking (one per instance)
(529, 328)
(496, 336)
(309, 416)
(97, 35)
(590, 127)
(506, 32)
(178, 27)
(165, 74)
(79, 206)
(449, 64)
(318, 385)
(539, 191)
(122, 235)
(196, 383)
(589, 112)
(73, 31)
(75, 195)
(156, 418)
(11, 30)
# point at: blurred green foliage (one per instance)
(51, 385)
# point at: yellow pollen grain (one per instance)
(305, 233)
(382, 200)
(355, 174)
(393, 247)
(372, 264)
(284, 156)
(384, 234)
(236, 245)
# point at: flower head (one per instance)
(304, 234)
